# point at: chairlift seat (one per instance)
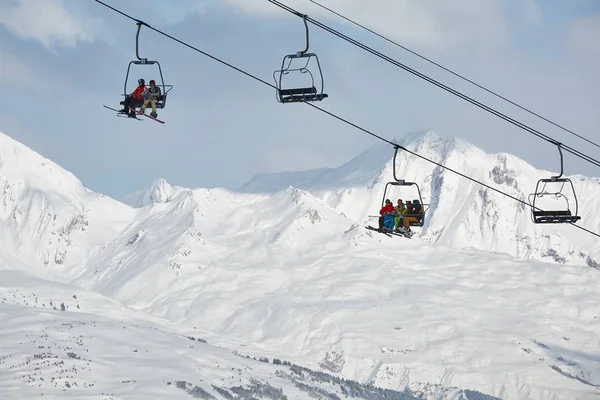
(291, 92)
(300, 95)
(554, 217)
(159, 103)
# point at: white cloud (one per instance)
(47, 21)
(437, 25)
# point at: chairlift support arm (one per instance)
(137, 43)
(561, 161)
(301, 53)
(396, 148)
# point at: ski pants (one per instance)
(152, 102)
(388, 221)
(408, 220)
(131, 102)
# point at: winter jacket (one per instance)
(400, 210)
(151, 92)
(387, 209)
(137, 93)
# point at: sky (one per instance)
(61, 60)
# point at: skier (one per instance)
(412, 212)
(399, 212)
(134, 99)
(151, 96)
(418, 210)
(387, 215)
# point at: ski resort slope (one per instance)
(293, 274)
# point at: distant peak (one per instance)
(160, 184)
(425, 139)
(159, 192)
(418, 136)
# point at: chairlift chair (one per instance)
(300, 94)
(554, 216)
(401, 182)
(162, 101)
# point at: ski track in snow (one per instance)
(288, 273)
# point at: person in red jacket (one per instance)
(134, 99)
(386, 210)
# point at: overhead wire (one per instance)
(491, 110)
(332, 114)
(454, 73)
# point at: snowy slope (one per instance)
(462, 214)
(75, 356)
(293, 275)
(393, 315)
(47, 216)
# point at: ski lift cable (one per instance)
(439, 84)
(395, 145)
(455, 73)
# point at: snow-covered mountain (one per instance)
(286, 271)
(48, 219)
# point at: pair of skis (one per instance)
(389, 232)
(124, 115)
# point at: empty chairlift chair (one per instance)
(555, 215)
(295, 68)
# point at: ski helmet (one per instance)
(141, 81)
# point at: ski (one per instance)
(388, 232)
(406, 235)
(147, 116)
(110, 108)
(121, 113)
(378, 231)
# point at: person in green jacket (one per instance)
(399, 213)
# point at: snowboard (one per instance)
(147, 116)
